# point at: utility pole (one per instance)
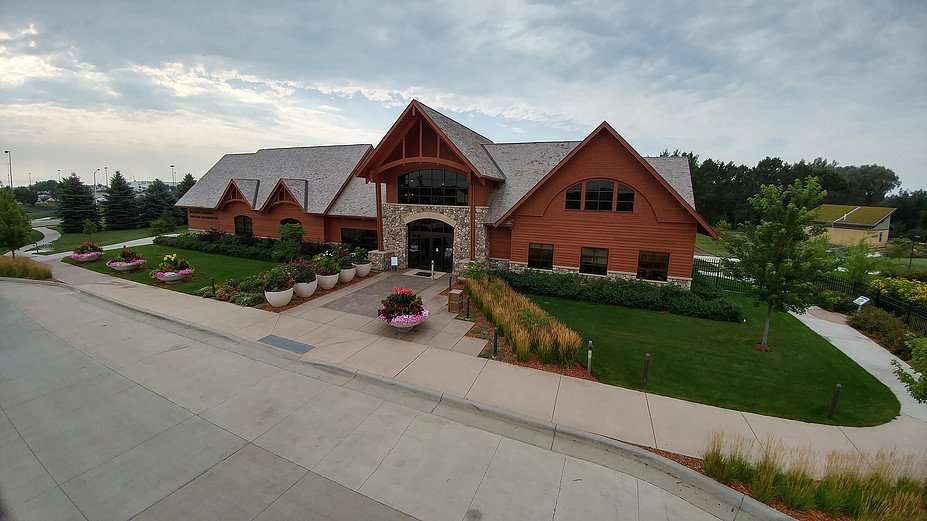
(11, 167)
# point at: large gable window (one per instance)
(625, 199)
(574, 197)
(594, 261)
(243, 225)
(541, 256)
(438, 187)
(652, 265)
(599, 195)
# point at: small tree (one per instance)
(858, 263)
(783, 254)
(14, 224)
(157, 198)
(164, 224)
(75, 203)
(90, 228)
(120, 208)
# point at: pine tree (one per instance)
(14, 225)
(75, 203)
(158, 197)
(120, 209)
(185, 185)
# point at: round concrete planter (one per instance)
(125, 266)
(279, 299)
(347, 274)
(327, 281)
(170, 278)
(87, 257)
(305, 289)
(363, 269)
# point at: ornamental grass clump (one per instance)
(527, 327)
(23, 268)
(402, 307)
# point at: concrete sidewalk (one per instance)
(424, 358)
(109, 414)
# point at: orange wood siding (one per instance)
(500, 242)
(333, 226)
(263, 224)
(480, 192)
(658, 223)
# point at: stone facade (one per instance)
(505, 264)
(396, 218)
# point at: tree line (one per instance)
(120, 209)
(722, 190)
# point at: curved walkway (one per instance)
(432, 358)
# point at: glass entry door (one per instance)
(431, 240)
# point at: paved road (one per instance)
(107, 414)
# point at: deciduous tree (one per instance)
(14, 224)
(782, 254)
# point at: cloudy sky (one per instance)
(138, 86)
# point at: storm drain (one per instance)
(286, 343)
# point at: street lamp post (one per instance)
(173, 183)
(913, 243)
(11, 167)
(59, 175)
(95, 186)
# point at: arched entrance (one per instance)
(431, 240)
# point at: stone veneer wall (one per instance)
(396, 218)
(505, 264)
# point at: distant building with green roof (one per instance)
(847, 224)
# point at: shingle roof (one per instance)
(357, 200)
(467, 141)
(525, 164)
(321, 170)
(852, 215)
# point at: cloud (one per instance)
(795, 79)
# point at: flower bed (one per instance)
(907, 289)
(172, 269)
(85, 257)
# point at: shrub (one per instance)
(289, 247)
(24, 268)
(703, 302)
(87, 247)
(165, 223)
(907, 289)
(886, 329)
(231, 245)
(476, 269)
(916, 386)
(252, 284)
(361, 255)
(325, 264)
(915, 273)
(527, 327)
(249, 299)
(277, 279)
(836, 302)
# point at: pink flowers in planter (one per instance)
(407, 320)
(87, 251)
(402, 308)
(169, 274)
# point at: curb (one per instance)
(735, 502)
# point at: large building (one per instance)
(434, 190)
(848, 224)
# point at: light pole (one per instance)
(30, 179)
(911, 256)
(172, 177)
(95, 186)
(11, 167)
(59, 175)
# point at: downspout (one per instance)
(379, 217)
(472, 217)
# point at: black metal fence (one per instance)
(914, 315)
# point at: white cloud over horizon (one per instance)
(137, 87)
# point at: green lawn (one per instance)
(69, 241)
(916, 263)
(715, 362)
(40, 210)
(34, 236)
(712, 246)
(207, 265)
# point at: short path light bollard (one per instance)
(495, 343)
(468, 307)
(646, 370)
(213, 286)
(833, 401)
(589, 358)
